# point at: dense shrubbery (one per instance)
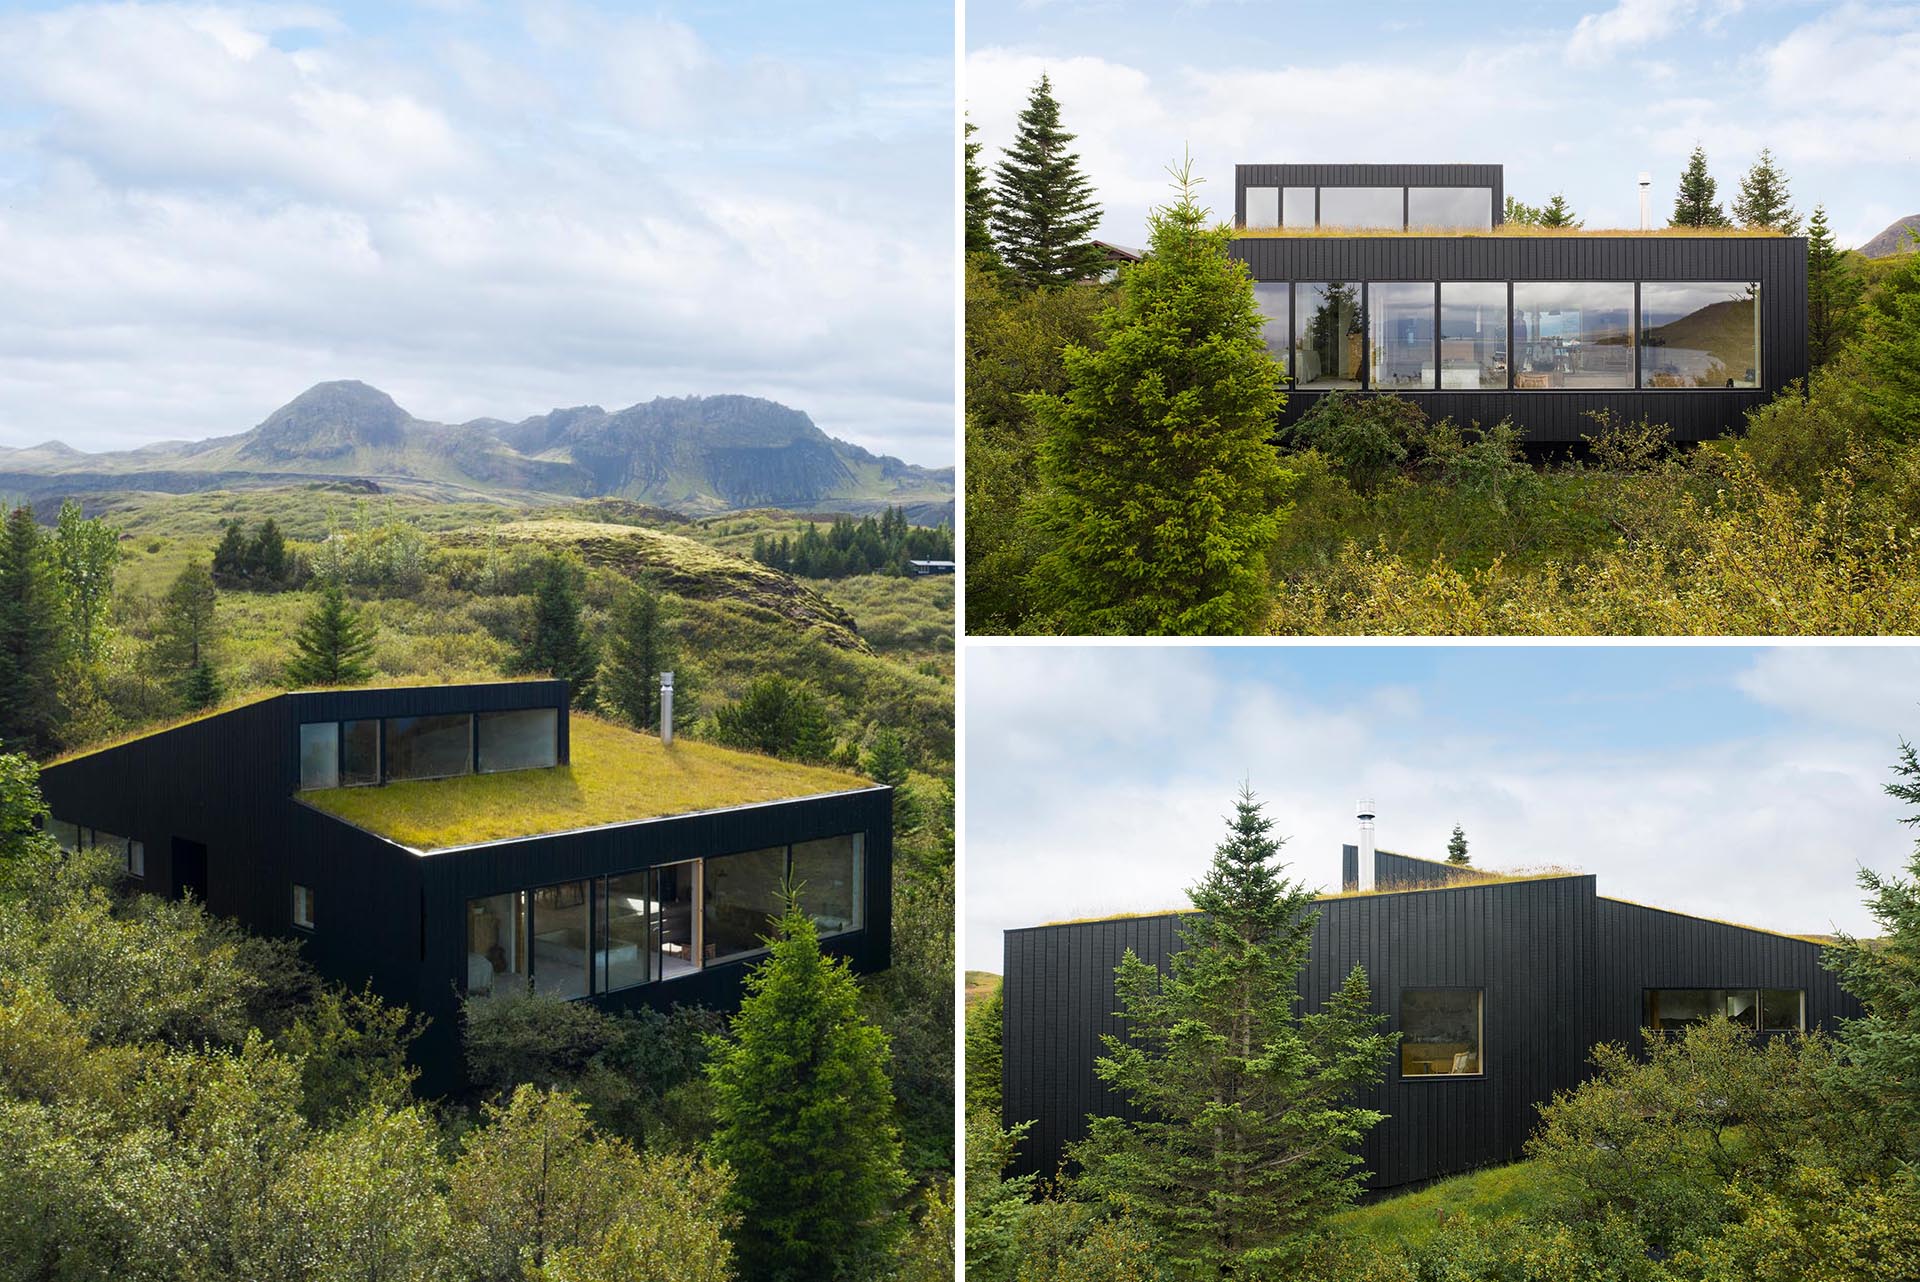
(852, 547)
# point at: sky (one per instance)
(483, 209)
(1739, 783)
(1570, 97)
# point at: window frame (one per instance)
(307, 923)
(1759, 339)
(1479, 992)
(1758, 1025)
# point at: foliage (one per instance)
(183, 645)
(352, 1049)
(640, 648)
(1043, 212)
(1557, 213)
(31, 635)
(804, 1116)
(851, 547)
(979, 205)
(1697, 203)
(333, 645)
(776, 716)
(1519, 213)
(997, 1205)
(84, 556)
(260, 563)
(1161, 486)
(1246, 1128)
(985, 1054)
(1457, 846)
(1833, 293)
(1889, 352)
(555, 643)
(1365, 438)
(1065, 1242)
(1763, 201)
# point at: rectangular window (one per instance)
(319, 755)
(561, 938)
(497, 943)
(429, 747)
(1440, 1032)
(303, 907)
(360, 744)
(743, 900)
(1401, 341)
(628, 914)
(1272, 298)
(64, 834)
(1770, 1010)
(1366, 207)
(1296, 207)
(1573, 334)
(828, 876)
(522, 740)
(1450, 208)
(1473, 334)
(1263, 206)
(676, 901)
(137, 858)
(1782, 1010)
(1327, 337)
(1700, 334)
(109, 842)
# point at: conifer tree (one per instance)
(1162, 487)
(804, 1116)
(979, 199)
(267, 554)
(1833, 292)
(1246, 1130)
(1557, 213)
(183, 644)
(776, 716)
(986, 1055)
(1762, 201)
(202, 687)
(1043, 212)
(639, 649)
(1697, 204)
(556, 641)
(230, 556)
(32, 637)
(84, 554)
(333, 644)
(1457, 846)
(1889, 350)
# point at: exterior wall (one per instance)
(1400, 872)
(1779, 263)
(1245, 176)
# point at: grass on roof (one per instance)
(616, 774)
(1507, 231)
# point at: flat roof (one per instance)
(1507, 231)
(616, 775)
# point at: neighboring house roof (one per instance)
(1119, 253)
(615, 775)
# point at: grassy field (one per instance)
(1412, 1218)
(981, 984)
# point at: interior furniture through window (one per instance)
(1440, 1032)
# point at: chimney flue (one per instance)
(1646, 201)
(666, 707)
(1365, 815)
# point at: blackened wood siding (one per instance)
(1245, 176)
(1778, 263)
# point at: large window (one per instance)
(429, 747)
(1440, 1032)
(497, 943)
(1573, 334)
(360, 753)
(1273, 298)
(628, 938)
(562, 939)
(64, 834)
(1297, 207)
(1699, 334)
(1450, 207)
(137, 858)
(320, 755)
(829, 876)
(1473, 334)
(522, 740)
(1771, 1010)
(1400, 320)
(1263, 206)
(1363, 207)
(1327, 335)
(677, 894)
(744, 898)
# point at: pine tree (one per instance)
(1246, 1130)
(1697, 204)
(1557, 213)
(556, 642)
(986, 1055)
(1457, 846)
(887, 758)
(230, 556)
(979, 198)
(804, 1115)
(267, 554)
(1162, 488)
(32, 636)
(1889, 350)
(1043, 212)
(1762, 201)
(639, 649)
(333, 644)
(776, 716)
(183, 644)
(202, 687)
(1833, 292)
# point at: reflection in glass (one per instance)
(1401, 344)
(496, 943)
(1326, 342)
(1671, 1008)
(1700, 334)
(320, 755)
(1440, 1032)
(525, 739)
(1450, 208)
(1782, 1010)
(676, 901)
(1573, 334)
(744, 898)
(1296, 207)
(827, 874)
(625, 948)
(429, 747)
(561, 939)
(1363, 207)
(1271, 298)
(360, 747)
(1473, 334)
(64, 834)
(1263, 206)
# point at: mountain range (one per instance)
(1896, 239)
(697, 454)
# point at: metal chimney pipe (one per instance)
(666, 707)
(1646, 201)
(1365, 815)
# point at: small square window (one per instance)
(1440, 1032)
(303, 907)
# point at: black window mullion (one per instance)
(1633, 336)
(1438, 382)
(1513, 353)
(1366, 338)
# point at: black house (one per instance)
(1404, 279)
(1498, 986)
(441, 840)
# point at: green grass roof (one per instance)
(616, 774)
(1508, 231)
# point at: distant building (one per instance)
(931, 567)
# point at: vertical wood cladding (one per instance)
(1778, 263)
(1562, 969)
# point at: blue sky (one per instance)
(1742, 783)
(485, 209)
(1574, 97)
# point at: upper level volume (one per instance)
(1440, 198)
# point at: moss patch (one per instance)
(1412, 1218)
(616, 774)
